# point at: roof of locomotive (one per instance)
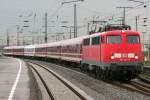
(128, 32)
(115, 32)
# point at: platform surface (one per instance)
(14, 79)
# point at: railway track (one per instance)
(136, 85)
(145, 76)
(145, 80)
(146, 69)
(63, 90)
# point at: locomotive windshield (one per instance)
(113, 39)
(133, 39)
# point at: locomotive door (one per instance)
(102, 42)
(95, 49)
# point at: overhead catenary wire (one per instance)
(92, 11)
(111, 15)
(53, 14)
(126, 10)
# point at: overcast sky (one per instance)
(14, 12)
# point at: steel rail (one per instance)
(50, 93)
(139, 82)
(146, 69)
(144, 79)
(82, 97)
(141, 86)
(134, 86)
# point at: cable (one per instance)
(92, 11)
(58, 1)
(56, 12)
(127, 10)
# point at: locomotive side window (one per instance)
(113, 39)
(132, 39)
(96, 40)
(86, 42)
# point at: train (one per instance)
(113, 55)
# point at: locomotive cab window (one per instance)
(132, 39)
(96, 40)
(114, 39)
(86, 42)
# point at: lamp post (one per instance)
(7, 38)
(18, 35)
(75, 15)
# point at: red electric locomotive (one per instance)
(113, 54)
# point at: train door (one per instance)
(102, 46)
(86, 49)
(95, 49)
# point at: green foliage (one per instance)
(146, 75)
(145, 54)
(147, 63)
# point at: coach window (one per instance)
(96, 40)
(113, 39)
(86, 42)
(133, 39)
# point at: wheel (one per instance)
(84, 68)
(81, 68)
(104, 75)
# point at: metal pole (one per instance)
(75, 21)
(7, 38)
(18, 35)
(23, 42)
(124, 14)
(88, 26)
(45, 27)
(32, 40)
(136, 23)
(33, 29)
(70, 31)
(75, 16)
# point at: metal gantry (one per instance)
(124, 14)
(75, 16)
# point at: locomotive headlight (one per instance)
(112, 57)
(136, 57)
